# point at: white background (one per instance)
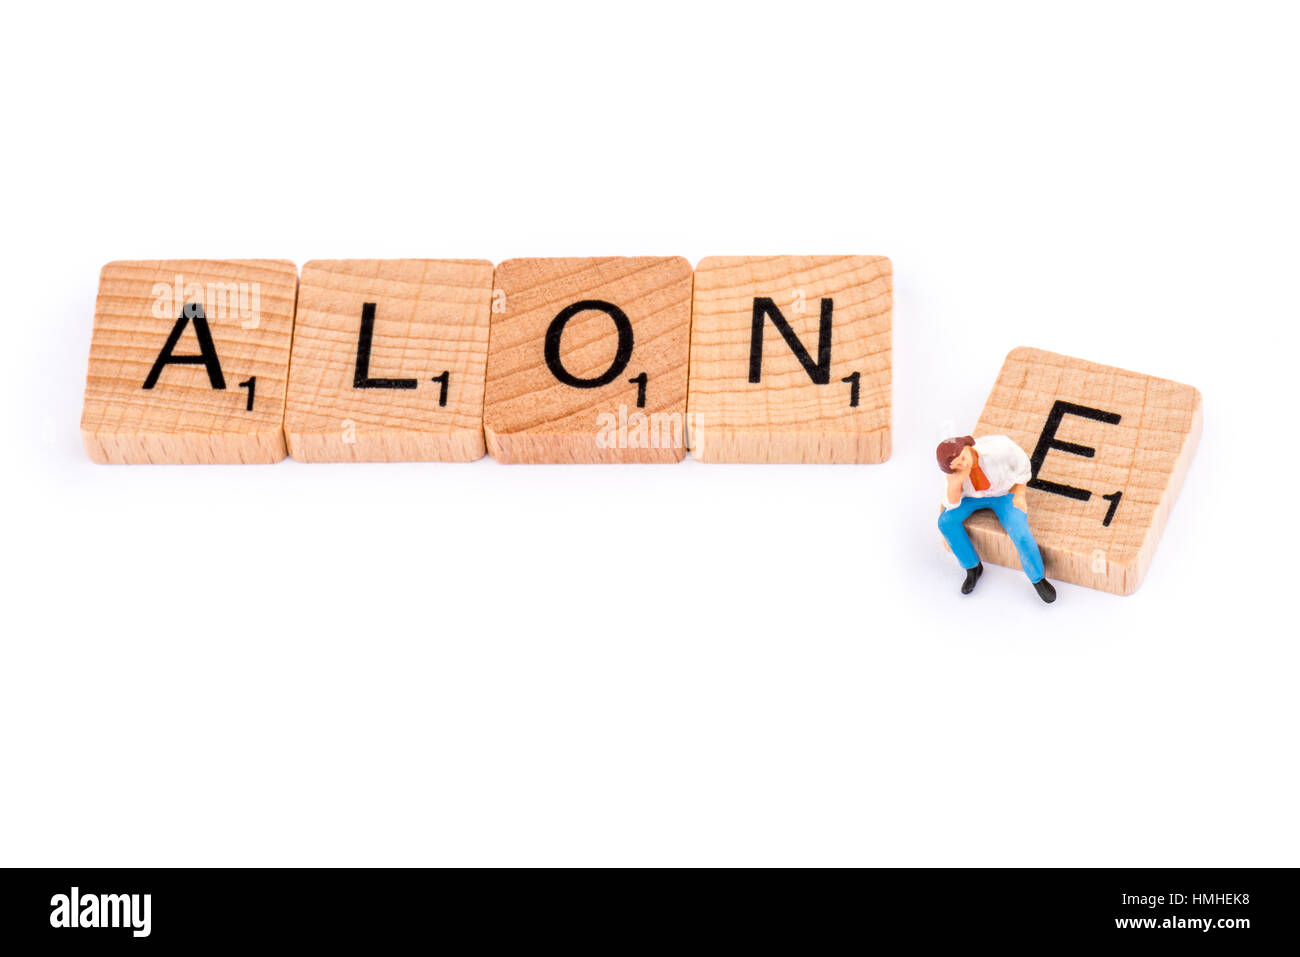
(444, 664)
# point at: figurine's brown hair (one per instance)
(949, 449)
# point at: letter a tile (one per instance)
(1109, 450)
(790, 359)
(388, 361)
(189, 361)
(588, 360)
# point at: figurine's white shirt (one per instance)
(1003, 463)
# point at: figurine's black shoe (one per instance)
(972, 576)
(1045, 590)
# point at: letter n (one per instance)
(819, 371)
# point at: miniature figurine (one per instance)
(990, 472)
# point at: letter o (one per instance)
(556, 331)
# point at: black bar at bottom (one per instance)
(392, 909)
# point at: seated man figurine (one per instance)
(989, 473)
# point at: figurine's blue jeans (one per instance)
(1013, 520)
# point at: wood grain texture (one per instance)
(787, 416)
(1144, 456)
(532, 416)
(183, 419)
(429, 317)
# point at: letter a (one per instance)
(207, 351)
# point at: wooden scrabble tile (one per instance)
(588, 360)
(188, 361)
(790, 359)
(1109, 450)
(389, 358)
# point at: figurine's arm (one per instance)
(1018, 497)
(955, 481)
(1022, 472)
